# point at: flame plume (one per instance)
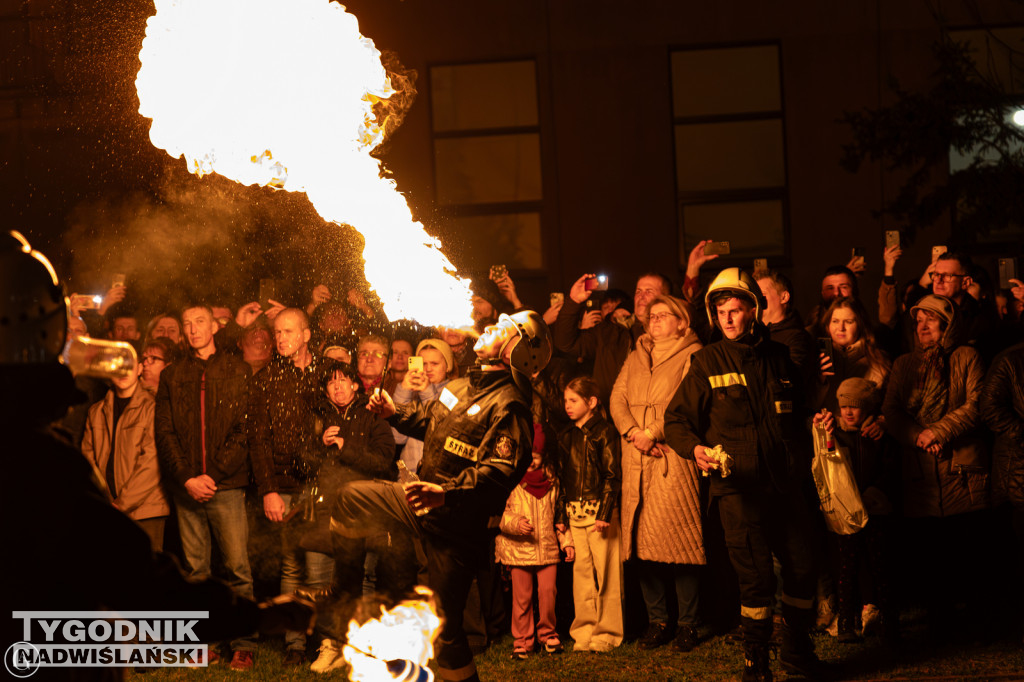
(280, 93)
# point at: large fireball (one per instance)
(280, 93)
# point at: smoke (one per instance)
(207, 239)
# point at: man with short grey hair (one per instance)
(281, 431)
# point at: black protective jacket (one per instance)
(477, 438)
(221, 384)
(1002, 408)
(745, 395)
(591, 467)
(282, 402)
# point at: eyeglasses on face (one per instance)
(372, 354)
(658, 317)
(944, 276)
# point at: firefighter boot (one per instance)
(798, 655)
(757, 648)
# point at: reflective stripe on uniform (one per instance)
(797, 602)
(463, 673)
(756, 612)
(730, 379)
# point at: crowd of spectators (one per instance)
(265, 402)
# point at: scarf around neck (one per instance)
(536, 483)
(931, 384)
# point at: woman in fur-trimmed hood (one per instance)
(931, 408)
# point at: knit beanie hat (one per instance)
(439, 345)
(856, 392)
(488, 290)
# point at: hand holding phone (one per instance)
(717, 249)
(598, 283)
(938, 251)
(827, 356)
(415, 363)
(268, 291)
(498, 272)
(1007, 272)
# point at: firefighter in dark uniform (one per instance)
(69, 548)
(744, 393)
(477, 440)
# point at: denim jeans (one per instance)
(224, 515)
(318, 573)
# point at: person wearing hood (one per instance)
(661, 514)
(931, 408)
(744, 393)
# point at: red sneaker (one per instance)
(213, 656)
(242, 661)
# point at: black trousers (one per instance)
(757, 525)
(367, 507)
(864, 570)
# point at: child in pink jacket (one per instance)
(529, 545)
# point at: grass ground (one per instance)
(715, 659)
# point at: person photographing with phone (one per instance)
(477, 446)
(608, 343)
(429, 372)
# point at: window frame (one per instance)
(454, 211)
(685, 198)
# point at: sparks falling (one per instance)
(280, 93)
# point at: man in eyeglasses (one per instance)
(951, 278)
(371, 361)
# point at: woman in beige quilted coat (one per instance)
(661, 515)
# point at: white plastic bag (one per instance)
(838, 495)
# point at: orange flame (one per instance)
(280, 94)
(406, 631)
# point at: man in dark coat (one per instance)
(609, 342)
(201, 445)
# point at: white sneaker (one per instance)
(330, 657)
